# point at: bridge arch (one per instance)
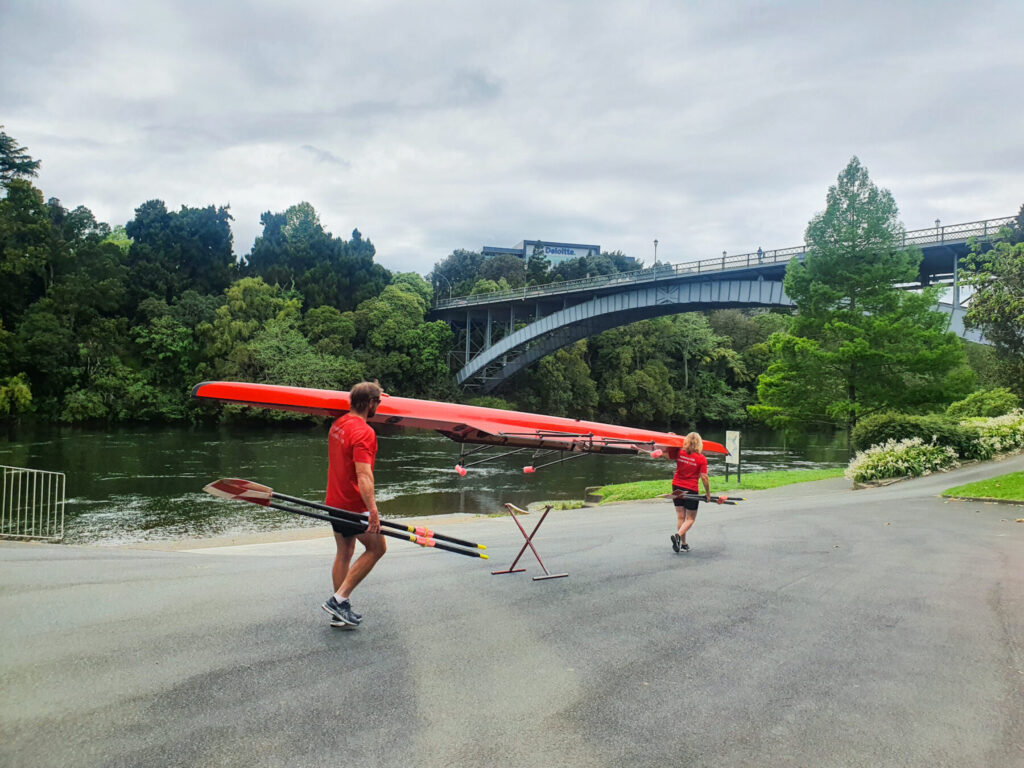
(497, 362)
(565, 312)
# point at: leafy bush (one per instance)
(881, 427)
(900, 458)
(985, 402)
(1002, 433)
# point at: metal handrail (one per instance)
(952, 233)
(31, 504)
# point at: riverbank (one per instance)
(653, 488)
(752, 481)
(143, 484)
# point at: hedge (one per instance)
(963, 438)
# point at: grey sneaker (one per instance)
(341, 613)
(685, 547)
(675, 542)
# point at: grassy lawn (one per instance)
(1009, 487)
(754, 481)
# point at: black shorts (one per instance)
(348, 530)
(686, 503)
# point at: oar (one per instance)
(250, 488)
(720, 499)
(247, 490)
(359, 525)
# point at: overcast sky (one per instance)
(433, 126)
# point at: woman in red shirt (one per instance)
(690, 466)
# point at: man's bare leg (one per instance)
(376, 546)
(342, 559)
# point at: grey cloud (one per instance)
(323, 156)
(433, 127)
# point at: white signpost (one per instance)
(732, 445)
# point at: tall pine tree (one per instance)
(859, 343)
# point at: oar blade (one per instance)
(240, 490)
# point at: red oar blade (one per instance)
(242, 490)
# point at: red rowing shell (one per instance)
(461, 423)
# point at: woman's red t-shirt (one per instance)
(689, 468)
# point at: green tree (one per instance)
(15, 395)
(172, 252)
(489, 286)
(560, 384)
(996, 307)
(329, 331)
(249, 305)
(119, 237)
(26, 235)
(397, 347)
(858, 343)
(504, 266)
(280, 354)
(295, 250)
(48, 352)
(457, 273)
(538, 267)
(15, 162)
(592, 266)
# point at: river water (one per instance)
(137, 483)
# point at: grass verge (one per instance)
(754, 481)
(1008, 487)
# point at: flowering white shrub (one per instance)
(903, 458)
(1001, 434)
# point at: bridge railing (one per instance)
(953, 233)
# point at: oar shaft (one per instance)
(692, 495)
(357, 523)
(419, 531)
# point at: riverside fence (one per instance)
(31, 504)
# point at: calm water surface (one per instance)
(137, 483)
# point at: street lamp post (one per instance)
(449, 284)
(937, 235)
(655, 252)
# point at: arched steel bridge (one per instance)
(490, 348)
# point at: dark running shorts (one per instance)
(690, 504)
(348, 530)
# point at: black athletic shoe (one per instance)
(358, 616)
(684, 547)
(342, 612)
(675, 542)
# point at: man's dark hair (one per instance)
(363, 394)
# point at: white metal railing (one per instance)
(952, 233)
(31, 504)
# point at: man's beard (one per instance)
(372, 412)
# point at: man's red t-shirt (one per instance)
(351, 440)
(689, 468)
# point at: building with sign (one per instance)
(553, 252)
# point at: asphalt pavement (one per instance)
(811, 625)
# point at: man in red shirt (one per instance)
(351, 450)
(691, 465)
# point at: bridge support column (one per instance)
(468, 356)
(487, 330)
(956, 281)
